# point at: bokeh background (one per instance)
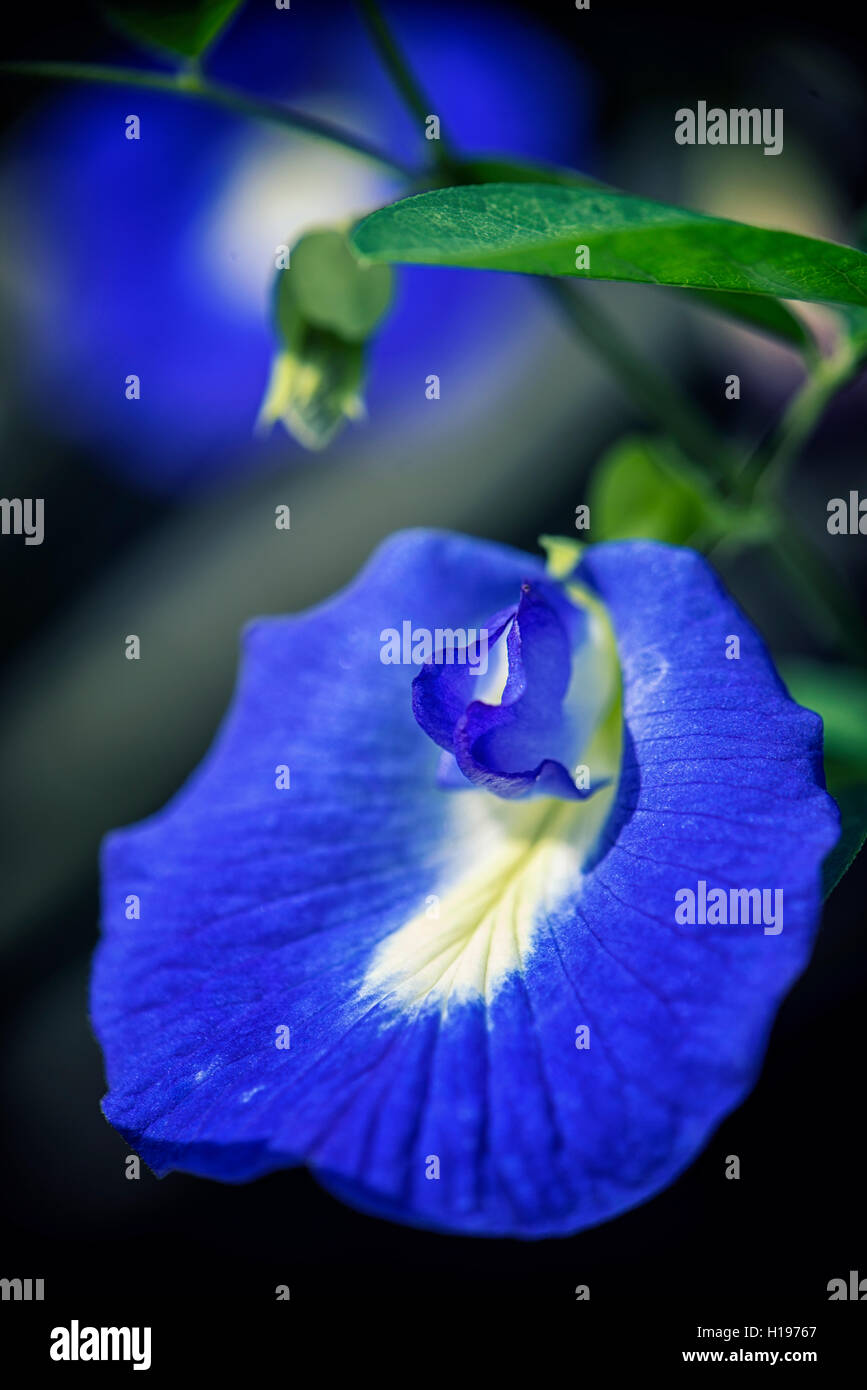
(155, 258)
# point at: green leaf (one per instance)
(641, 487)
(536, 228)
(752, 311)
(854, 320)
(187, 29)
(327, 284)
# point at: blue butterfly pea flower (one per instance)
(471, 1003)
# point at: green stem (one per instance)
(401, 74)
(767, 466)
(649, 388)
(823, 600)
(189, 83)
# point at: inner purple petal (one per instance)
(525, 744)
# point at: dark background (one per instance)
(796, 1217)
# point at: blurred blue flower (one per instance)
(156, 257)
(463, 1010)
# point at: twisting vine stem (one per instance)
(189, 82)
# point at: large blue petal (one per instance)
(433, 954)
